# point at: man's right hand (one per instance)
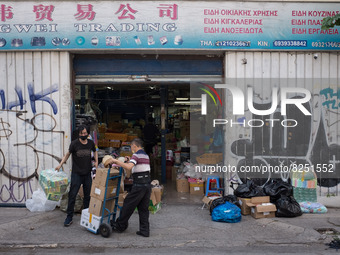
(58, 168)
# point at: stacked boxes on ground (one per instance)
(258, 207)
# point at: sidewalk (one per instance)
(180, 223)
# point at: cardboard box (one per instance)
(98, 191)
(156, 195)
(245, 209)
(196, 188)
(154, 208)
(265, 210)
(182, 185)
(101, 176)
(121, 198)
(90, 221)
(207, 200)
(96, 206)
(260, 200)
(125, 153)
(261, 207)
(174, 172)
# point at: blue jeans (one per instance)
(76, 181)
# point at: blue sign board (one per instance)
(66, 25)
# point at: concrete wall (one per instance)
(35, 118)
(315, 140)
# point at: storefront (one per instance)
(123, 62)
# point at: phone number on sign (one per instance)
(326, 44)
(319, 168)
(232, 44)
(290, 43)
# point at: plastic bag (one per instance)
(287, 207)
(226, 212)
(219, 201)
(276, 188)
(248, 190)
(77, 206)
(53, 183)
(40, 203)
(310, 207)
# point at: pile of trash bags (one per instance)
(280, 192)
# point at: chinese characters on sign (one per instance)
(151, 24)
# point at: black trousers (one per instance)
(76, 181)
(138, 197)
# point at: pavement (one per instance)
(181, 223)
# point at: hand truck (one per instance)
(105, 227)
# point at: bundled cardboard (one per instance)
(260, 207)
(182, 185)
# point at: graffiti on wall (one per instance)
(315, 141)
(28, 139)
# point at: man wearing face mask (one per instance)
(80, 149)
(139, 197)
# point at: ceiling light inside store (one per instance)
(186, 99)
(188, 102)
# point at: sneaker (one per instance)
(141, 234)
(68, 221)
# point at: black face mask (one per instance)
(83, 137)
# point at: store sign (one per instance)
(166, 25)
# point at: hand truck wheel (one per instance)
(105, 229)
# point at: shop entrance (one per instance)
(121, 96)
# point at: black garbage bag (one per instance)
(277, 188)
(287, 206)
(220, 201)
(231, 199)
(248, 190)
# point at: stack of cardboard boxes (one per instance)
(194, 188)
(98, 191)
(258, 207)
(90, 217)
